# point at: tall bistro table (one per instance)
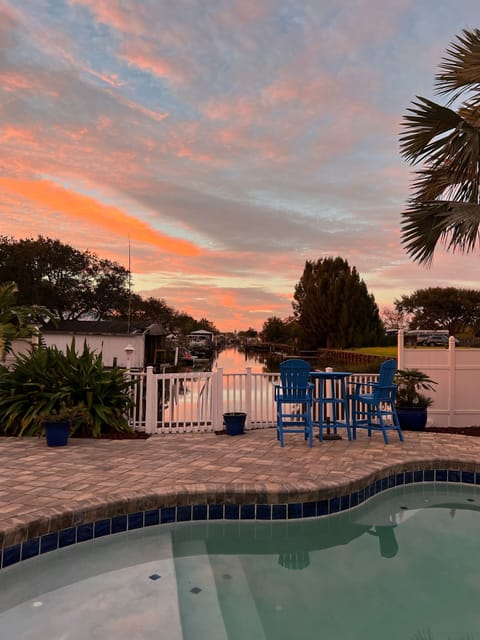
(331, 400)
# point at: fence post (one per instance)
(400, 349)
(151, 401)
(248, 395)
(451, 381)
(217, 396)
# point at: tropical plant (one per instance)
(16, 322)
(410, 384)
(45, 382)
(445, 206)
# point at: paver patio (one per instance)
(46, 489)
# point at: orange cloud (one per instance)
(45, 193)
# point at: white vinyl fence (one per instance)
(456, 399)
(196, 401)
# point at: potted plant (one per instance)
(57, 421)
(410, 403)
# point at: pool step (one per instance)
(212, 590)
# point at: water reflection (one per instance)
(232, 360)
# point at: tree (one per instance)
(333, 306)
(63, 279)
(445, 206)
(457, 310)
(16, 322)
(275, 330)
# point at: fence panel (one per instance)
(195, 401)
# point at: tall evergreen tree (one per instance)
(333, 307)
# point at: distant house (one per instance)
(136, 345)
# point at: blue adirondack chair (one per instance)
(294, 398)
(373, 404)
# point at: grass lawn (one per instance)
(387, 352)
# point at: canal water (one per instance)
(232, 360)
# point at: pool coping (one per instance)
(205, 477)
(80, 525)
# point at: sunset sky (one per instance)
(227, 141)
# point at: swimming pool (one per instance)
(405, 564)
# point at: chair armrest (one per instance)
(363, 385)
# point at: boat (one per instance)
(200, 343)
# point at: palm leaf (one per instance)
(453, 224)
(460, 68)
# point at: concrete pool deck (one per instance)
(45, 489)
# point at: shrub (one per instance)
(45, 379)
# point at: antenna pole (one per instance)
(129, 289)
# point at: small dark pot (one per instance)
(412, 419)
(234, 423)
(57, 433)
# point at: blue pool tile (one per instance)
(31, 548)
(215, 512)
(184, 513)
(168, 514)
(418, 476)
(11, 555)
(361, 496)
(294, 510)
(279, 512)
(399, 479)
(408, 477)
(152, 517)
(102, 528)
(67, 537)
(477, 478)
(391, 482)
(264, 511)
(441, 475)
(468, 477)
(135, 520)
(309, 509)
(354, 499)
(428, 475)
(232, 511)
(247, 512)
(344, 502)
(378, 486)
(119, 524)
(384, 484)
(85, 532)
(322, 508)
(49, 542)
(334, 505)
(453, 476)
(200, 512)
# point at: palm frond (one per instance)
(426, 125)
(426, 224)
(460, 68)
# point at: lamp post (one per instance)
(129, 350)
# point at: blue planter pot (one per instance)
(57, 433)
(234, 423)
(412, 419)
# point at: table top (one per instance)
(330, 374)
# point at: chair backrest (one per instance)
(385, 386)
(294, 374)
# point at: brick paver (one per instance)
(45, 489)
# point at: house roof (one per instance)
(103, 327)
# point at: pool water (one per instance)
(404, 565)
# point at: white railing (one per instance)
(196, 401)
